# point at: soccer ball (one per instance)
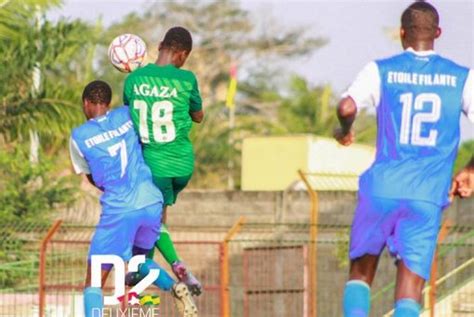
(127, 52)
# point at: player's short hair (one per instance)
(420, 21)
(97, 92)
(179, 39)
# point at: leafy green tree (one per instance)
(28, 195)
(307, 109)
(29, 192)
(224, 33)
(44, 66)
(312, 109)
(56, 54)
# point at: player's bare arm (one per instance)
(197, 116)
(346, 113)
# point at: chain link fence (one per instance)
(267, 264)
(19, 263)
(270, 266)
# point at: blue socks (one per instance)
(356, 299)
(93, 302)
(407, 307)
(164, 281)
(94, 299)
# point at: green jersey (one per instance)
(160, 99)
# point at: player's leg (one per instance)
(145, 238)
(357, 289)
(147, 234)
(165, 244)
(408, 292)
(93, 296)
(170, 187)
(373, 222)
(414, 244)
(107, 231)
(179, 268)
(364, 268)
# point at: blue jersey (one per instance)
(109, 150)
(418, 116)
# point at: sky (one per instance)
(356, 30)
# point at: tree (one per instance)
(28, 195)
(56, 51)
(308, 109)
(223, 33)
(49, 104)
(30, 192)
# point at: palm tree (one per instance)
(58, 52)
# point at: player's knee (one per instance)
(363, 269)
(409, 283)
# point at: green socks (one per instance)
(166, 246)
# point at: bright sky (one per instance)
(356, 30)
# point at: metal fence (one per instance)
(251, 270)
(271, 271)
(64, 273)
(19, 261)
(42, 271)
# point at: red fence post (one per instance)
(42, 265)
(223, 282)
(225, 296)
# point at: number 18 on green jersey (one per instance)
(160, 99)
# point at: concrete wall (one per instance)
(207, 215)
(223, 208)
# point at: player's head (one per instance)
(179, 43)
(96, 98)
(419, 23)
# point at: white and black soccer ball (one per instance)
(127, 52)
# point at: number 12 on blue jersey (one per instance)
(411, 127)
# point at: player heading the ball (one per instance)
(164, 101)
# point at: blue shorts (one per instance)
(408, 228)
(117, 234)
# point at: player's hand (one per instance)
(453, 190)
(344, 138)
(463, 184)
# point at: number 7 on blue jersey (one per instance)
(122, 148)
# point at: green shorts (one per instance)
(171, 186)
